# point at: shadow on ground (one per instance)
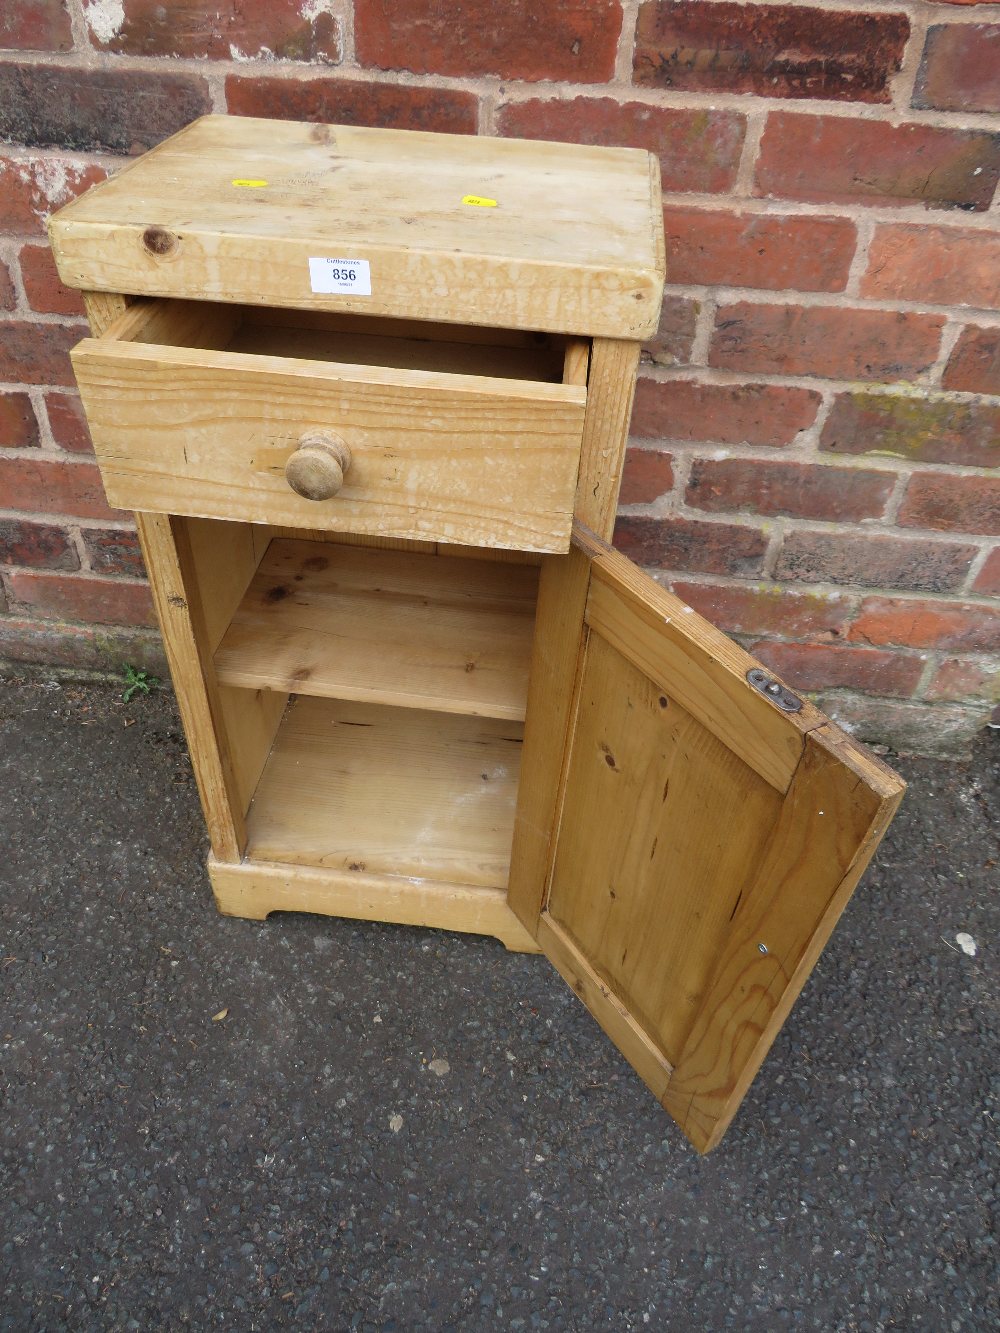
(159, 1169)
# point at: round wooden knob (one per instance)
(316, 469)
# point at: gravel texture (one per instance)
(399, 1129)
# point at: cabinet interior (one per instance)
(349, 339)
(406, 671)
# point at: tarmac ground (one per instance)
(398, 1129)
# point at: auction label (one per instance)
(344, 276)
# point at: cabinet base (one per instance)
(253, 889)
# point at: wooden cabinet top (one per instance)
(503, 232)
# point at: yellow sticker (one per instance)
(251, 185)
(477, 201)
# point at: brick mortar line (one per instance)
(851, 593)
(930, 8)
(486, 114)
(673, 504)
(749, 154)
(735, 379)
(859, 261)
(932, 661)
(890, 514)
(30, 316)
(975, 569)
(46, 436)
(79, 29)
(67, 522)
(971, 711)
(884, 214)
(10, 255)
(724, 294)
(883, 388)
(32, 451)
(703, 330)
(949, 337)
(75, 535)
(807, 453)
(291, 70)
(625, 54)
(808, 440)
(20, 152)
(344, 13)
(517, 90)
(675, 99)
(904, 82)
(216, 81)
(90, 575)
(674, 497)
(772, 552)
(17, 614)
(48, 452)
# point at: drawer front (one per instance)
(453, 458)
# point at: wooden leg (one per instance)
(175, 595)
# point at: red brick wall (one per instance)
(816, 428)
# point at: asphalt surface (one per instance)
(399, 1129)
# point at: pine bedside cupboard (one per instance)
(368, 393)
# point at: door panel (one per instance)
(657, 814)
(701, 841)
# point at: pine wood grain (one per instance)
(687, 874)
(254, 889)
(538, 363)
(166, 552)
(223, 559)
(389, 791)
(103, 309)
(695, 663)
(556, 657)
(660, 824)
(419, 631)
(610, 390)
(189, 623)
(614, 1016)
(574, 245)
(831, 821)
(453, 458)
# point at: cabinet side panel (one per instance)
(224, 558)
(556, 656)
(103, 308)
(175, 594)
(610, 390)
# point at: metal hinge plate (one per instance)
(774, 690)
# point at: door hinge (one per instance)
(774, 690)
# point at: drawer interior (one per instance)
(350, 340)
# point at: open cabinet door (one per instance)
(688, 830)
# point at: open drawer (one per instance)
(397, 430)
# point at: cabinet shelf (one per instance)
(394, 627)
(389, 791)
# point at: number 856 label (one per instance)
(341, 275)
